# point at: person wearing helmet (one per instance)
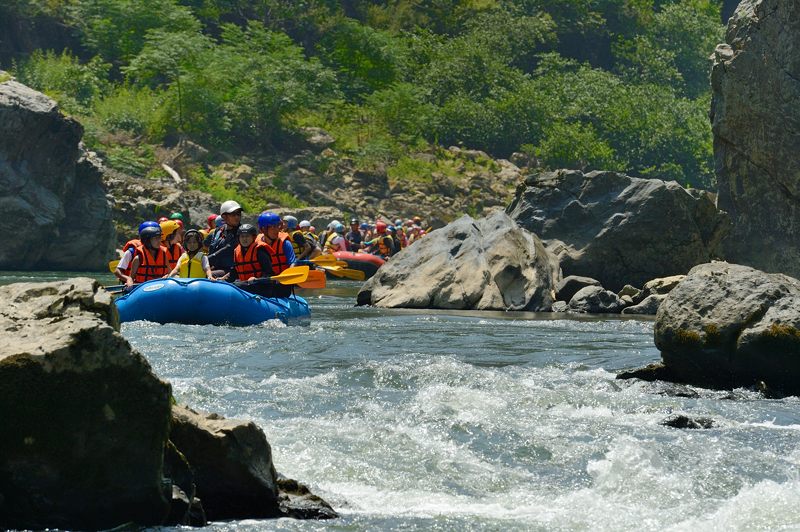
(150, 260)
(382, 244)
(354, 236)
(171, 239)
(302, 247)
(211, 222)
(335, 241)
(176, 216)
(311, 238)
(224, 240)
(280, 249)
(392, 232)
(123, 269)
(251, 259)
(193, 263)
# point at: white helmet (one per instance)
(305, 223)
(229, 207)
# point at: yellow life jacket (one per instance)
(329, 240)
(192, 268)
(297, 249)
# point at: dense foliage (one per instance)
(589, 84)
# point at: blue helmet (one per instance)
(145, 225)
(266, 219)
(219, 222)
(339, 227)
(364, 226)
(291, 222)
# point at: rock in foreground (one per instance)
(85, 427)
(620, 229)
(485, 264)
(84, 419)
(727, 325)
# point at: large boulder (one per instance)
(756, 122)
(485, 264)
(84, 418)
(620, 229)
(49, 185)
(727, 325)
(234, 476)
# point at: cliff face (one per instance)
(756, 124)
(56, 212)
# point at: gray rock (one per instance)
(596, 300)
(755, 122)
(85, 419)
(560, 306)
(662, 286)
(485, 264)
(570, 285)
(727, 325)
(317, 138)
(648, 306)
(629, 290)
(680, 421)
(620, 229)
(51, 185)
(233, 471)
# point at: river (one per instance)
(484, 421)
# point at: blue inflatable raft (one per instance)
(204, 302)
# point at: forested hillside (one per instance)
(585, 84)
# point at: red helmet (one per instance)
(380, 226)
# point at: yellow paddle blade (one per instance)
(293, 275)
(316, 279)
(328, 259)
(112, 265)
(355, 275)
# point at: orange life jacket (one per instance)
(174, 252)
(276, 254)
(246, 264)
(128, 245)
(151, 267)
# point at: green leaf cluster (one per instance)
(589, 84)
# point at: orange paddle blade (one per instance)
(316, 279)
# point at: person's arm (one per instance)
(124, 261)
(206, 266)
(134, 268)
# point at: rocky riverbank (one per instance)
(93, 439)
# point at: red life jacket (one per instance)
(246, 264)
(151, 267)
(174, 252)
(128, 245)
(276, 254)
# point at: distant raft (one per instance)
(204, 302)
(366, 262)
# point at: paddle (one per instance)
(347, 273)
(112, 265)
(328, 260)
(294, 275)
(316, 279)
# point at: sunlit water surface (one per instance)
(490, 421)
